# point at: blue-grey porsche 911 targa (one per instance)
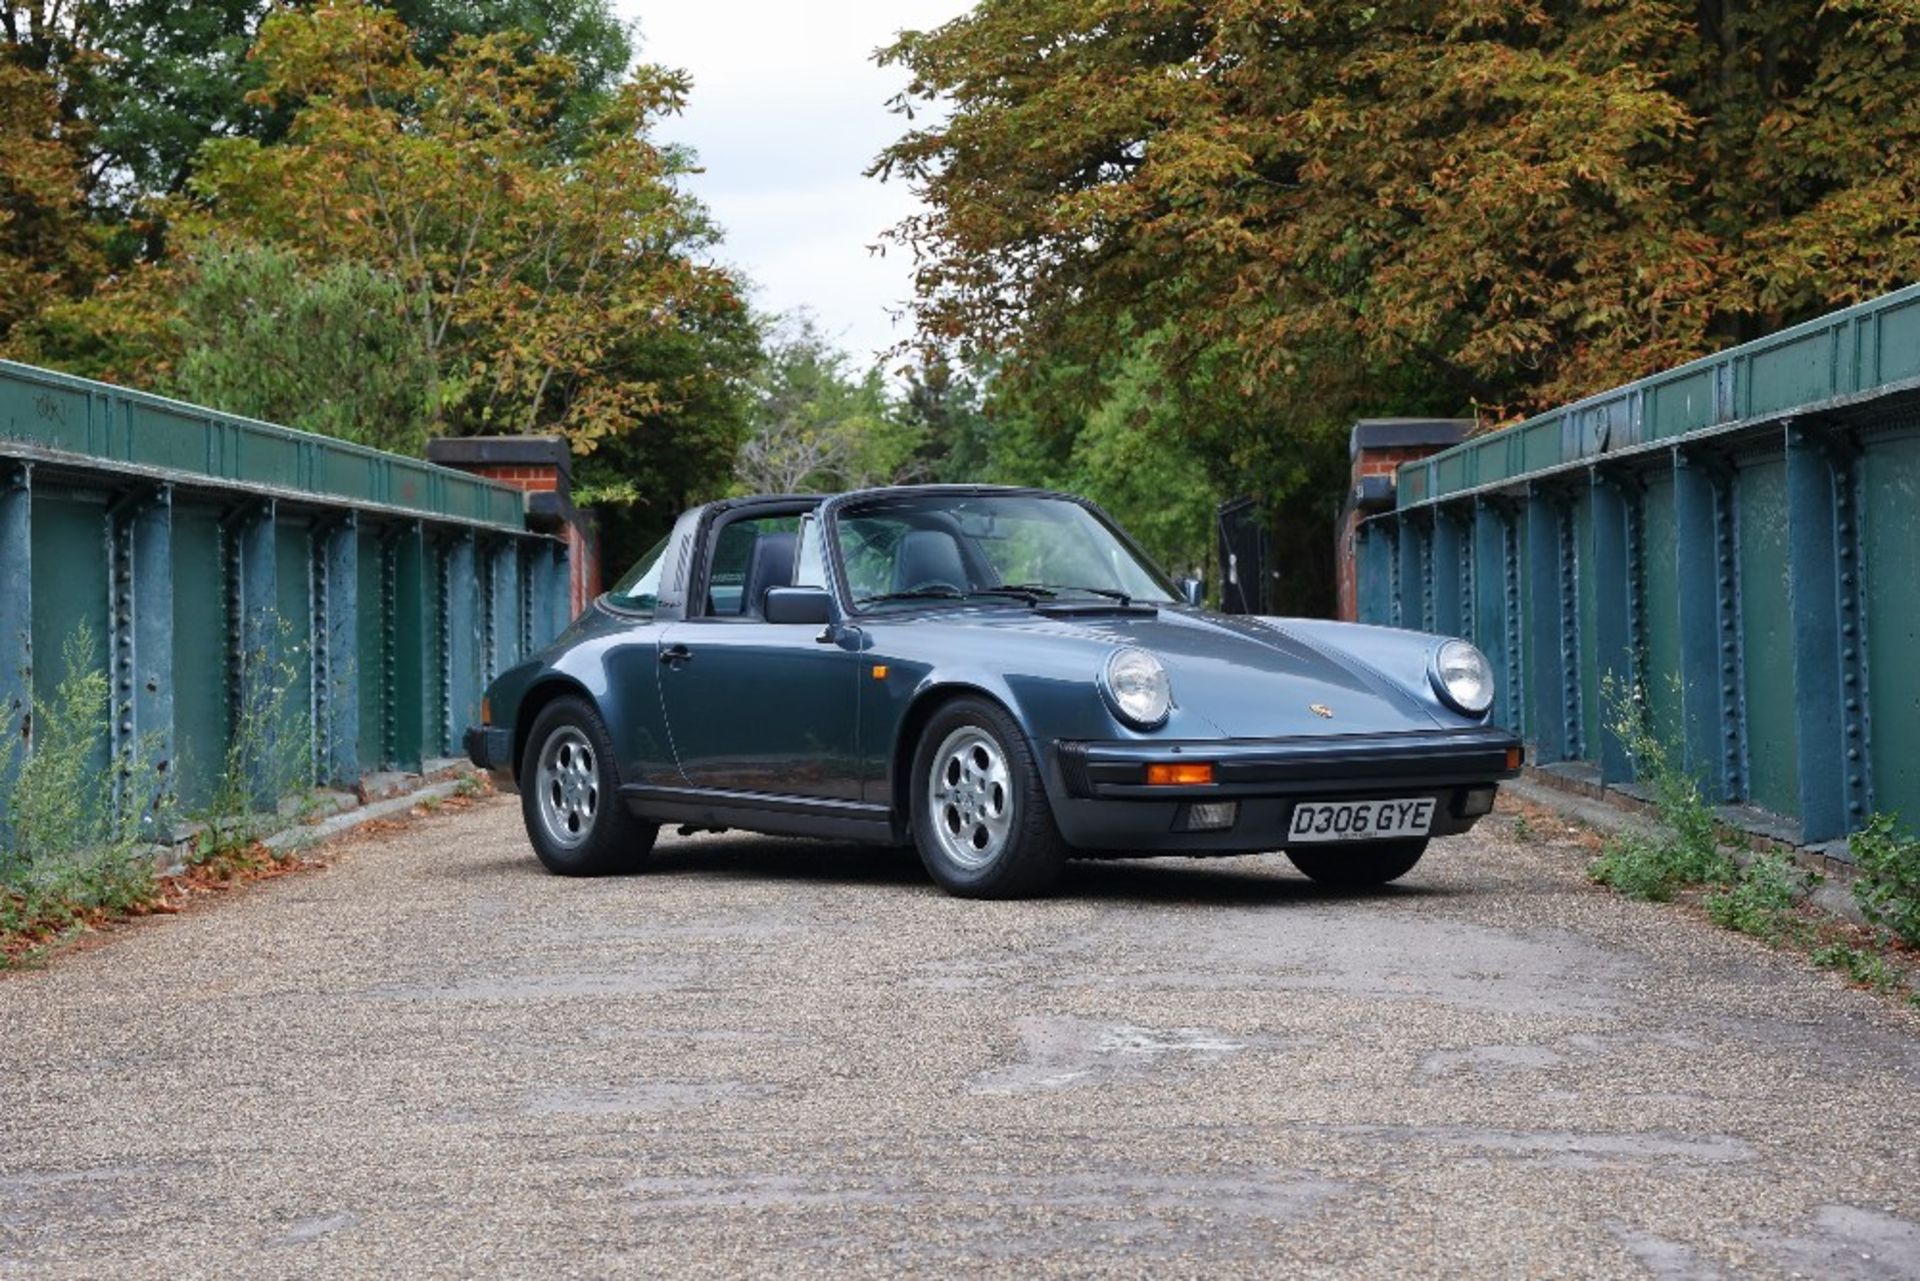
(999, 677)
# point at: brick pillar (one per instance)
(542, 467)
(1378, 447)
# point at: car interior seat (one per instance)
(929, 556)
(770, 565)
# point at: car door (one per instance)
(754, 706)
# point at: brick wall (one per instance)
(542, 468)
(1378, 448)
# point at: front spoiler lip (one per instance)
(491, 749)
(1303, 765)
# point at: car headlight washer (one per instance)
(1137, 688)
(1463, 678)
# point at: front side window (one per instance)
(967, 546)
(639, 588)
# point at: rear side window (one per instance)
(639, 588)
(733, 548)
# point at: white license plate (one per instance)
(1359, 820)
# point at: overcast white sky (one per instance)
(788, 109)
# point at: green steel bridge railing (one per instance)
(1738, 539)
(213, 556)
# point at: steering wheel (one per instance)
(934, 584)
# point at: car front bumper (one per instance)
(1103, 802)
(491, 748)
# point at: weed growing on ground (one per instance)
(468, 787)
(1888, 885)
(1762, 898)
(1688, 853)
(268, 757)
(73, 832)
(1522, 830)
(1867, 968)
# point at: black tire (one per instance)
(1027, 857)
(609, 839)
(1359, 867)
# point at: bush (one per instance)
(74, 842)
(1869, 969)
(1762, 897)
(1656, 867)
(1887, 886)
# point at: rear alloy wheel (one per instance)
(1359, 866)
(569, 796)
(980, 814)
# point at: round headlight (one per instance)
(1137, 687)
(1463, 677)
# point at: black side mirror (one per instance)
(1194, 591)
(798, 605)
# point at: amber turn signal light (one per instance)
(486, 710)
(1516, 757)
(1180, 774)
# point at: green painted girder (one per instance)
(1613, 496)
(1860, 353)
(16, 618)
(1713, 711)
(130, 433)
(336, 671)
(1829, 660)
(1551, 627)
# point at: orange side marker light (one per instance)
(879, 671)
(1181, 774)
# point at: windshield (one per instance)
(639, 588)
(928, 547)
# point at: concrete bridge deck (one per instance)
(430, 1059)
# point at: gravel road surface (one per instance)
(431, 1059)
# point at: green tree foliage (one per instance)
(1411, 206)
(264, 338)
(472, 232)
(815, 425)
(47, 248)
(145, 83)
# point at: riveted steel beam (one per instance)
(336, 632)
(1552, 631)
(1415, 579)
(1450, 574)
(550, 605)
(505, 649)
(1497, 598)
(140, 659)
(1376, 571)
(464, 625)
(253, 638)
(16, 622)
(1611, 562)
(1707, 571)
(410, 648)
(1829, 648)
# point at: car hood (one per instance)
(1249, 678)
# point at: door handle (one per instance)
(674, 655)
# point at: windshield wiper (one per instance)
(1054, 589)
(1030, 595)
(921, 593)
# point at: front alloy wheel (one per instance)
(970, 794)
(980, 815)
(569, 795)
